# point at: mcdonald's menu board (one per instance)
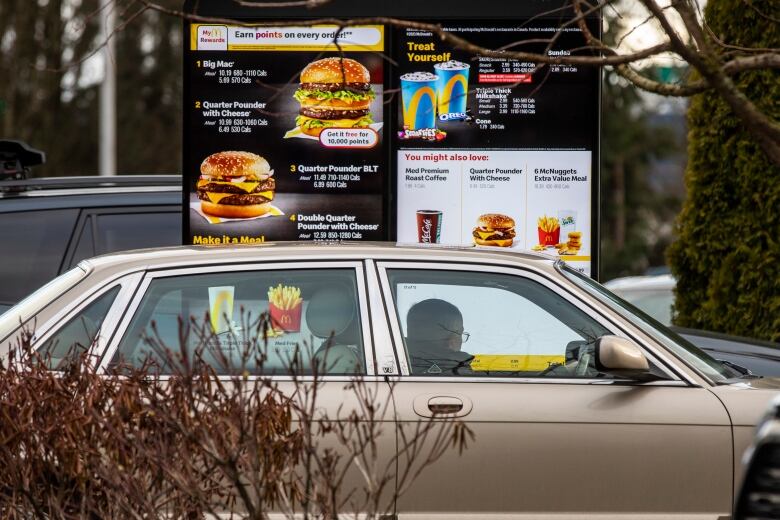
(284, 137)
(390, 134)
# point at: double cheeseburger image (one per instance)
(494, 229)
(235, 185)
(334, 93)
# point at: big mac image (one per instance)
(235, 185)
(334, 93)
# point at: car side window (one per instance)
(263, 322)
(79, 333)
(479, 324)
(35, 242)
(122, 231)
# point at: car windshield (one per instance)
(689, 353)
(25, 309)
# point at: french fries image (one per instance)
(549, 229)
(284, 297)
(548, 224)
(285, 305)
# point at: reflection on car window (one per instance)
(264, 322)
(79, 333)
(485, 324)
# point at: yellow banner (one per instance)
(364, 38)
(519, 363)
(573, 258)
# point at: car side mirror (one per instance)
(623, 358)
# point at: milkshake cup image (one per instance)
(418, 97)
(452, 86)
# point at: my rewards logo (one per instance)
(212, 37)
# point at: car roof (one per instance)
(58, 186)
(141, 191)
(185, 256)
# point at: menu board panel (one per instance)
(285, 134)
(491, 151)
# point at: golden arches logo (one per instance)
(445, 96)
(410, 109)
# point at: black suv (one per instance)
(49, 225)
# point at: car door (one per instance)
(511, 353)
(319, 322)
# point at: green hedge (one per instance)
(727, 255)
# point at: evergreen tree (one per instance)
(727, 257)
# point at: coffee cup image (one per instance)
(428, 226)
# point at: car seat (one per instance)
(331, 316)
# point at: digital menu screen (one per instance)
(490, 151)
(285, 134)
(388, 133)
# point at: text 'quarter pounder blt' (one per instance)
(235, 185)
(334, 93)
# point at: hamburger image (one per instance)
(334, 93)
(494, 229)
(235, 185)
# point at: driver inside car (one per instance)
(434, 337)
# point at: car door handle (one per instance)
(452, 405)
(444, 405)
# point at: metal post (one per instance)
(107, 144)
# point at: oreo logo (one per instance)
(453, 116)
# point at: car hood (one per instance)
(747, 400)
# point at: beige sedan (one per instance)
(581, 406)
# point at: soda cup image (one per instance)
(568, 220)
(452, 86)
(418, 97)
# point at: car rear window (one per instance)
(76, 336)
(34, 246)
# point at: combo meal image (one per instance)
(334, 93)
(549, 232)
(494, 229)
(235, 185)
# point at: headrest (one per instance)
(331, 310)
